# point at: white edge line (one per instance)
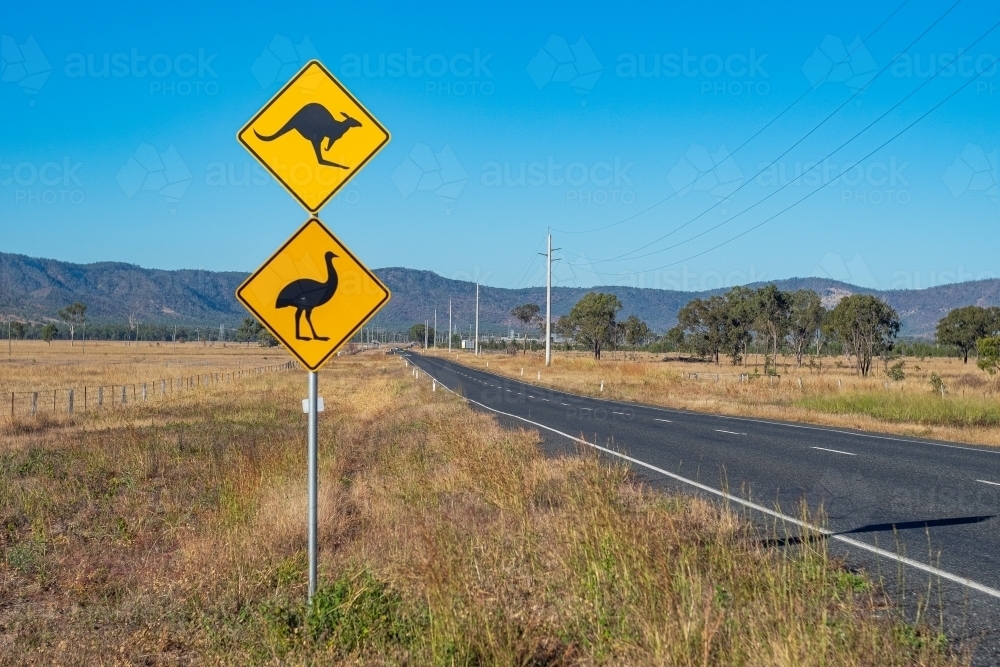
(754, 506)
(836, 451)
(983, 481)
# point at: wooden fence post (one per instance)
(34, 404)
(71, 402)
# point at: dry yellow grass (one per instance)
(830, 395)
(37, 366)
(53, 370)
(174, 533)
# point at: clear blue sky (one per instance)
(118, 137)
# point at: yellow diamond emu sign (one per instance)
(313, 294)
(313, 136)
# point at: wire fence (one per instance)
(75, 400)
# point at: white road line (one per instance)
(983, 481)
(719, 430)
(617, 413)
(943, 574)
(836, 451)
(566, 404)
(662, 420)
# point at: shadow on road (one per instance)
(877, 528)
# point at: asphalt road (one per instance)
(921, 512)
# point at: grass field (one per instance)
(828, 394)
(34, 365)
(36, 378)
(174, 533)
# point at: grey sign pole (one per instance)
(313, 475)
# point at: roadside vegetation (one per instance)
(174, 533)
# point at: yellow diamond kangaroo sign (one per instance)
(313, 294)
(313, 136)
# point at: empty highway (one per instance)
(925, 509)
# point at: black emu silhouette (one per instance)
(315, 123)
(307, 294)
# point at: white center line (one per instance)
(983, 481)
(835, 451)
(662, 420)
(566, 404)
(617, 413)
(719, 430)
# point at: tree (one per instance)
(989, 354)
(636, 332)
(526, 314)
(266, 339)
(963, 327)
(772, 307)
(702, 326)
(249, 330)
(866, 325)
(49, 331)
(592, 320)
(805, 318)
(741, 313)
(133, 323)
(417, 333)
(17, 330)
(72, 316)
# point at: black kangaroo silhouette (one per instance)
(315, 123)
(305, 294)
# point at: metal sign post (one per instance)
(301, 281)
(313, 478)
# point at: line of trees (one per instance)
(865, 326)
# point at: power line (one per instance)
(523, 273)
(758, 132)
(796, 203)
(790, 148)
(803, 174)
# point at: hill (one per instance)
(36, 289)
